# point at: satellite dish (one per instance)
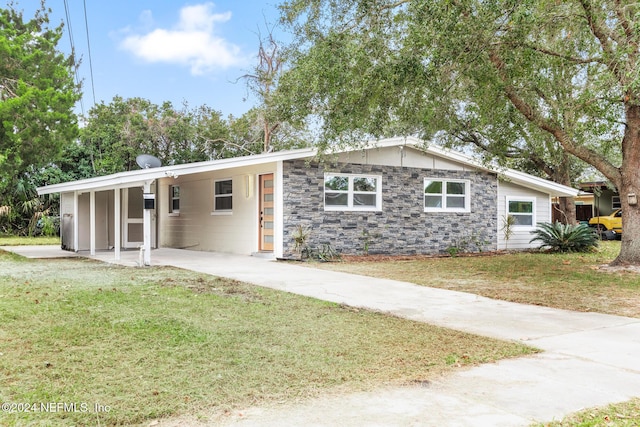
(147, 161)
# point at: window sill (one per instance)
(217, 213)
(346, 209)
(447, 211)
(174, 213)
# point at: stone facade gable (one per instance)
(402, 227)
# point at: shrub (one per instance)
(560, 237)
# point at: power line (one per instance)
(86, 26)
(73, 48)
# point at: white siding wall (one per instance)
(66, 220)
(521, 235)
(197, 226)
(395, 156)
(104, 220)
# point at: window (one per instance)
(174, 199)
(222, 196)
(450, 195)
(615, 202)
(523, 211)
(352, 192)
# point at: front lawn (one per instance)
(96, 344)
(625, 414)
(22, 241)
(568, 281)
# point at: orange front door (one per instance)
(266, 213)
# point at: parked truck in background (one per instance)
(608, 226)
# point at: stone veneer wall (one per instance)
(402, 227)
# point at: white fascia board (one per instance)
(520, 178)
(108, 182)
(552, 188)
(139, 177)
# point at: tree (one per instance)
(561, 72)
(265, 123)
(262, 81)
(116, 133)
(37, 96)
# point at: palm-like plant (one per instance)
(560, 237)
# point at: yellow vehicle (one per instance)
(608, 224)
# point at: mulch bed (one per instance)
(383, 257)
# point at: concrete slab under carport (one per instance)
(40, 251)
(589, 359)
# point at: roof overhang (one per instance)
(140, 177)
(511, 175)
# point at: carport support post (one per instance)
(116, 222)
(92, 222)
(147, 227)
(76, 228)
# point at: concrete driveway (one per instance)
(589, 359)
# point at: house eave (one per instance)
(554, 189)
(139, 177)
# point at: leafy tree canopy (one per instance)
(37, 92)
(116, 133)
(37, 96)
(553, 77)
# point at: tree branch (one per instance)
(531, 114)
(624, 22)
(475, 139)
(603, 36)
(574, 59)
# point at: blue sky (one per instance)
(165, 50)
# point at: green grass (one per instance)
(569, 281)
(23, 241)
(159, 342)
(626, 414)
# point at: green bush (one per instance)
(560, 237)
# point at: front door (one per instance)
(133, 216)
(266, 213)
(133, 221)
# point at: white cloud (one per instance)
(191, 42)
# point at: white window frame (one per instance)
(216, 196)
(172, 197)
(443, 194)
(615, 202)
(351, 193)
(532, 200)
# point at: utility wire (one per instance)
(73, 48)
(86, 26)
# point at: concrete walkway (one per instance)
(589, 360)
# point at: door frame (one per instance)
(261, 245)
(126, 220)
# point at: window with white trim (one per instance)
(615, 202)
(223, 195)
(344, 192)
(523, 210)
(174, 199)
(447, 195)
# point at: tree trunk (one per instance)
(630, 185)
(567, 208)
(562, 175)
